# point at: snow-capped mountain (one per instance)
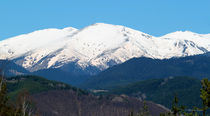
(98, 45)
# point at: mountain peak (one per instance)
(181, 34)
(102, 24)
(99, 45)
(69, 29)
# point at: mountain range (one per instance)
(76, 54)
(138, 69)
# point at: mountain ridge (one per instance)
(99, 46)
(162, 91)
(138, 69)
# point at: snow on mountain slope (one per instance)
(99, 45)
(103, 43)
(14, 47)
(183, 44)
(32, 47)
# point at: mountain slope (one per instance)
(99, 45)
(9, 68)
(65, 103)
(162, 91)
(96, 47)
(34, 84)
(53, 98)
(146, 68)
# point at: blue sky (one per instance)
(155, 17)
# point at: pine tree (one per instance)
(131, 113)
(144, 111)
(23, 107)
(176, 110)
(3, 98)
(5, 108)
(205, 95)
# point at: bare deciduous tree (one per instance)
(25, 104)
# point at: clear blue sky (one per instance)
(155, 17)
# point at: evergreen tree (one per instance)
(131, 113)
(205, 95)
(5, 108)
(144, 111)
(176, 110)
(23, 106)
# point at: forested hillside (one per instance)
(162, 91)
(146, 68)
